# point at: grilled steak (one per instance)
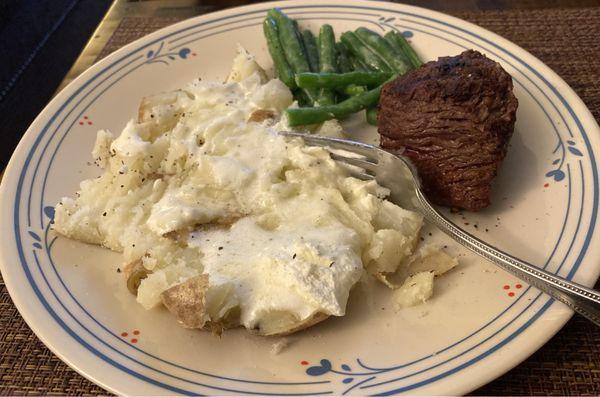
(453, 117)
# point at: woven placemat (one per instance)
(567, 41)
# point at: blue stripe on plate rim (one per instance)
(210, 22)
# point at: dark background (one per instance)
(39, 41)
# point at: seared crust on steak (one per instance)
(454, 118)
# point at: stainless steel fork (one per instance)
(397, 173)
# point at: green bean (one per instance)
(335, 80)
(327, 52)
(312, 53)
(292, 46)
(392, 39)
(345, 66)
(380, 46)
(302, 98)
(399, 43)
(362, 52)
(352, 90)
(372, 115)
(343, 61)
(359, 66)
(327, 61)
(305, 116)
(282, 67)
(290, 41)
(349, 63)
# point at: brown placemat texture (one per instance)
(565, 39)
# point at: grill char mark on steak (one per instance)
(454, 118)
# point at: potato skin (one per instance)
(135, 272)
(187, 301)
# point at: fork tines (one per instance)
(359, 158)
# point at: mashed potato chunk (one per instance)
(262, 230)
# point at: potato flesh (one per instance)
(176, 169)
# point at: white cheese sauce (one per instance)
(279, 224)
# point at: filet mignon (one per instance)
(454, 118)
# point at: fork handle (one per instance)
(583, 300)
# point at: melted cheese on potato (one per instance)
(193, 187)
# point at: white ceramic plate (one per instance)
(481, 321)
